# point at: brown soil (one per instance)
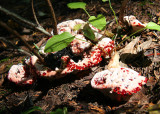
(74, 90)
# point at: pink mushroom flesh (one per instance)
(79, 45)
(47, 73)
(132, 21)
(120, 80)
(106, 45)
(136, 23)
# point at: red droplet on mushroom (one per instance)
(44, 74)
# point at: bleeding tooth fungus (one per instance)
(18, 73)
(119, 83)
(90, 56)
(134, 23)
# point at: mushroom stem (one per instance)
(114, 62)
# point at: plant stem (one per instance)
(130, 36)
(20, 37)
(7, 12)
(113, 11)
(53, 17)
(87, 12)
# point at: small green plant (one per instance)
(35, 108)
(59, 42)
(112, 10)
(88, 32)
(150, 25)
(60, 111)
(105, 0)
(99, 22)
(76, 5)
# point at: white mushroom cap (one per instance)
(17, 74)
(132, 21)
(129, 18)
(120, 80)
(68, 26)
(79, 44)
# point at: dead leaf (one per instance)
(140, 97)
(130, 47)
(4, 44)
(109, 34)
(144, 45)
(1, 80)
(151, 81)
(133, 55)
(154, 107)
(157, 74)
(2, 68)
(100, 110)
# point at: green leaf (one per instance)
(35, 108)
(76, 5)
(99, 22)
(58, 42)
(88, 32)
(159, 20)
(153, 26)
(36, 46)
(60, 111)
(104, 0)
(65, 110)
(77, 27)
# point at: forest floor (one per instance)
(74, 90)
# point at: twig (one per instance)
(34, 14)
(53, 17)
(20, 37)
(104, 10)
(13, 46)
(130, 36)
(7, 12)
(121, 14)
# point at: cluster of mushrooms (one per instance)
(117, 82)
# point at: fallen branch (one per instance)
(20, 37)
(7, 12)
(34, 14)
(121, 13)
(53, 17)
